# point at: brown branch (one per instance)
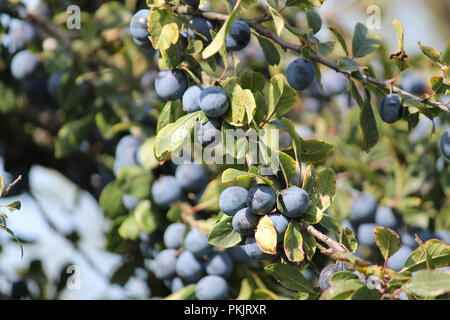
(19, 178)
(255, 24)
(336, 246)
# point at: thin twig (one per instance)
(336, 246)
(19, 178)
(255, 24)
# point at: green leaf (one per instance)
(368, 125)
(278, 20)
(15, 205)
(219, 39)
(223, 235)
(309, 244)
(365, 293)
(266, 235)
(293, 242)
(290, 277)
(438, 253)
(281, 97)
(252, 80)
(340, 39)
(187, 293)
(314, 20)
(270, 50)
(348, 65)
(315, 151)
(290, 169)
(129, 228)
(387, 241)
(400, 34)
(329, 223)
(164, 28)
(173, 135)
(242, 104)
(146, 219)
(342, 290)
(428, 284)
(364, 41)
(171, 111)
(71, 135)
(431, 53)
(341, 276)
(111, 200)
(327, 188)
(348, 239)
(232, 175)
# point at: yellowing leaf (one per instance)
(266, 235)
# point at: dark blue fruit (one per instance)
(390, 108)
(280, 222)
(164, 267)
(171, 84)
(197, 243)
(445, 144)
(238, 254)
(233, 199)
(245, 222)
(189, 268)
(174, 235)
(192, 3)
(238, 37)
(214, 102)
(138, 25)
(212, 288)
(388, 217)
(366, 234)
(327, 273)
(166, 191)
(126, 152)
(363, 208)
(300, 74)
(397, 261)
(261, 199)
(219, 264)
(202, 26)
(209, 132)
(191, 177)
(295, 202)
(253, 251)
(23, 64)
(191, 98)
(176, 285)
(130, 202)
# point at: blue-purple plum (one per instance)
(23, 64)
(238, 37)
(201, 26)
(130, 202)
(191, 177)
(166, 191)
(209, 132)
(174, 235)
(191, 98)
(253, 251)
(397, 261)
(214, 102)
(300, 74)
(176, 284)
(261, 199)
(189, 268)
(333, 83)
(295, 202)
(238, 254)
(245, 221)
(219, 264)
(390, 108)
(212, 288)
(138, 25)
(280, 222)
(164, 266)
(363, 209)
(197, 243)
(233, 199)
(388, 217)
(171, 84)
(444, 144)
(366, 234)
(327, 273)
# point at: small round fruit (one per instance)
(197, 243)
(366, 234)
(166, 191)
(280, 222)
(397, 261)
(238, 37)
(212, 288)
(138, 25)
(253, 251)
(130, 202)
(300, 74)
(388, 217)
(363, 209)
(390, 108)
(233, 199)
(171, 84)
(164, 266)
(245, 222)
(261, 199)
(189, 268)
(191, 177)
(191, 98)
(209, 132)
(201, 26)
(295, 202)
(174, 235)
(214, 102)
(219, 264)
(23, 64)
(327, 273)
